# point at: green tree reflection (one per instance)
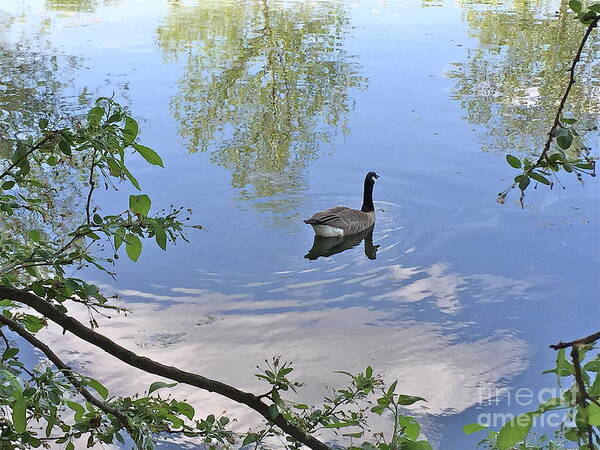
(33, 76)
(71, 5)
(265, 84)
(512, 82)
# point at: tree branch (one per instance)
(563, 100)
(582, 394)
(150, 366)
(583, 341)
(92, 186)
(29, 152)
(66, 371)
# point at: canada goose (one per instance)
(328, 246)
(343, 221)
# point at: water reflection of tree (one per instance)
(265, 84)
(513, 80)
(33, 75)
(71, 5)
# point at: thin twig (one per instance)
(92, 186)
(563, 100)
(30, 151)
(67, 372)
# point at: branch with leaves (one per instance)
(553, 159)
(35, 290)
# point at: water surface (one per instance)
(265, 112)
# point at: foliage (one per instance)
(266, 85)
(579, 404)
(36, 259)
(562, 134)
(509, 84)
(344, 411)
(44, 404)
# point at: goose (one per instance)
(344, 221)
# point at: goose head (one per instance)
(371, 177)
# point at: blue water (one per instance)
(464, 296)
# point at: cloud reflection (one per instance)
(197, 333)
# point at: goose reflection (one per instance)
(328, 246)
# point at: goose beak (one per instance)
(376, 176)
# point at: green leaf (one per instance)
(75, 407)
(161, 237)
(553, 403)
(159, 385)
(118, 238)
(140, 204)
(418, 445)
(588, 17)
(595, 7)
(176, 421)
(94, 116)
(70, 446)
(514, 162)
(43, 124)
(149, 155)
(593, 366)
(185, 409)
(473, 428)
(273, 411)
(19, 409)
(8, 185)
(130, 177)
(540, 178)
(130, 131)
(564, 367)
(35, 235)
(20, 153)
(133, 246)
(409, 399)
(595, 389)
(9, 353)
(353, 435)
(249, 439)
(524, 182)
(564, 141)
(514, 431)
(572, 434)
(98, 387)
(575, 5)
(593, 414)
(379, 409)
(64, 147)
(33, 323)
(410, 427)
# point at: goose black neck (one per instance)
(367, 205)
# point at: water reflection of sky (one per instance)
(464, 296)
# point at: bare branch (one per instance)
(583, 341)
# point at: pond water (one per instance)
(267, 111)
